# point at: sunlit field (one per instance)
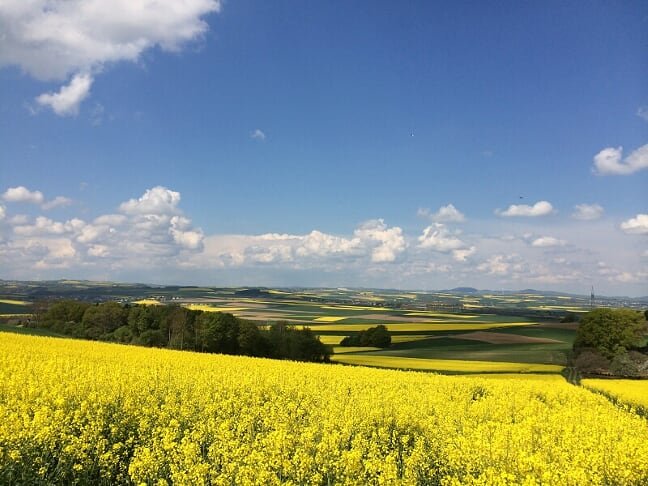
(445, 365)
(14, 302)
(415, 327)
(147, 302)
(84, 412)
(632, 392)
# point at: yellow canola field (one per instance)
(14, 302)
(79, 412)
(446, 365)
(147, 302)
(632, 392)
(548, 378)
(329, 318)
(355, 307)
(334, 340)
(213, 308)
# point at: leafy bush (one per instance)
(378, 337)
(610, 331)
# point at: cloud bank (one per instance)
(150, 238)
(609, 161)
(587, 212)
(58, 40)
(637, 225)
(445, 214)
(541, 208)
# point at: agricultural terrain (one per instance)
(80, 412)
(452, 332)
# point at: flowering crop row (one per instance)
(632, 392)
(84, 412)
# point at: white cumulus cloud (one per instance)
(541, 208)
(152, 231)
(67, 100)
(547, 241)
(386, 243)
(184, 235)
(321, 244)
(56, 39)
(587, 212)
(258, 135)
(495, 265)
(461, 255)
(57, 202)
(18, 219)
(438, 237)
(158, 200)
(642, 112)
(110, 219)
(637, 225)
(22, 194)
(609, 161)
(46, 226)
(372, 241)
(448, 214)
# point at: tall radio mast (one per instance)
(592, 298)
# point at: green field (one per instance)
(520, 328)
(8, 306)
(29, 331)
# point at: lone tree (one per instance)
(610, 331)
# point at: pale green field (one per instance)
(336, 339)
(419, 327)
(445, 315)
(353, 349)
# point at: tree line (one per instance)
(612, 342)
(176, 327)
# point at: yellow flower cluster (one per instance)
(89, 413)
(632, 392)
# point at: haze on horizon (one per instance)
(408, 146)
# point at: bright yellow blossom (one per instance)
(90, 413)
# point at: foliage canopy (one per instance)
(610, 331)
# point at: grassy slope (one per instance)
(7, 308)
(29, 331)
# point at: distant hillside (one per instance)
(252, 293)
(463, 290)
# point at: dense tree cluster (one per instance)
(569, 317)
(176, 327)
(612, 341)
(378, 337)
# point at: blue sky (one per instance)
(314, 143)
